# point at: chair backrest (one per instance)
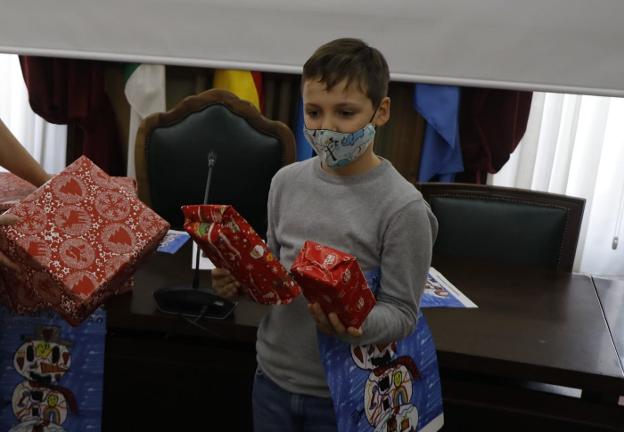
(172, 156)
(505, 224)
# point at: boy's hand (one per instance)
(8, 219)
(224, 283)
(330, 324)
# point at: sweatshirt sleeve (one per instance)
(271, 219)
(405, 261)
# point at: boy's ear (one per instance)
(383, 112)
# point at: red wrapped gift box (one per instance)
(13, 189)
(80, 237)
(231, 243)
(334, 280)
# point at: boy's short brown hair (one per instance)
(351, 60)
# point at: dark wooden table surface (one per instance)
(531, 324)
(137, 310)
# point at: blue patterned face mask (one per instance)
(338, 149)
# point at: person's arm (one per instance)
(16, 159)
(405, 261)
(272, 217)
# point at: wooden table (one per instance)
(530, 323)
(532, 326)
(537, 345)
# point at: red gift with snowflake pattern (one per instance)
(231, 243)
(80, 238)
(334, 280)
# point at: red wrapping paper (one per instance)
(334, 280)
(13, 189)
(80, 237)
(231, 243)
(127, 183)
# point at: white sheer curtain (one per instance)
(46, 142)
(574, 145)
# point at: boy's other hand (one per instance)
(330, 324)
(224, 283)
(8, 219)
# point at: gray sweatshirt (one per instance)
(378, 217)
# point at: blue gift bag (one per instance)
(51, 374)
(386, 387)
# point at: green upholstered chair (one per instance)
(505, 224)
(172, 156)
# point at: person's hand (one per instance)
(224, 283)
(8, 219)
(330, 324)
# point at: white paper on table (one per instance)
(204, 261)
(440, 293)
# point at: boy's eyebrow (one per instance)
(347, 105)
(340, 105)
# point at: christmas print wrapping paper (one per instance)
(80, 237)
(128, 183)
(334, 280)
(231, 243)
(12, 190)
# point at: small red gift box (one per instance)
(13, 189)
(334, 280)
(231, 243)
(80, 237)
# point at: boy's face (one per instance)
(342, 109)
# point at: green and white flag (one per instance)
(145, 92)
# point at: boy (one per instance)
(350, 199)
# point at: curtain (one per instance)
(45, 141)
(574, 145)
(69, 91)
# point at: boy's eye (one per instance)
(312, 114)
(346, 113)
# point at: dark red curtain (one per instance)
(492, 123)
(66, 91)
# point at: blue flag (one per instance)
(441, 156)
(304, 150)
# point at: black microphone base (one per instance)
(196, 303)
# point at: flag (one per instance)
(441, 156)
(145, 92)
(246, 85)
(304, 149)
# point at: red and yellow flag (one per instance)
(246, 85)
